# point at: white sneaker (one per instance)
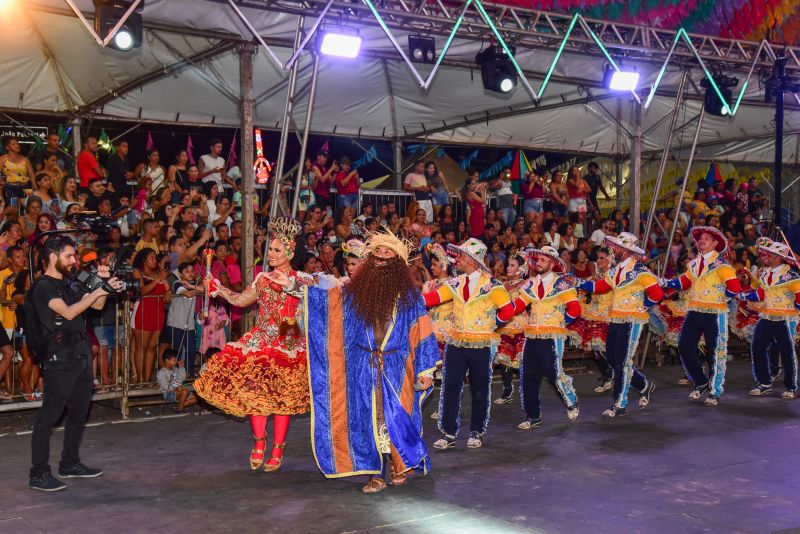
(530, 423)
(760, 390)
(788, 395)
(605, 386)
(475, 441)
(573, 412)
(445, 442)
(711, 400)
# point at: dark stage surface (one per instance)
(674, 467)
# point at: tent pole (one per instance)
(287, 110)
(780, 67)
(636, 169)
(248, 174)
(77, 142)
(301, 167)
(397, 148)
(664, 155)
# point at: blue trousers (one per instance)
(774, 333)
(714, 328)
(457, 362)
(621, 343)
(542, 358)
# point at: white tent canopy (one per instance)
(52, 64)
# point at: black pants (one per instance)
(542, 359)
(713, 327)
(621, 344)
(508, 376)
(457, 361)
(67, 384)
(769, 335)
(603, 367)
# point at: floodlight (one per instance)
(423, 49)
(108, 13)
(624, 79)
(339, 44)
(497, 69)
(718, 95)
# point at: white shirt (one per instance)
(554, 241)
(210, 162)
(624, 268)
(505, 188)
(472, 279)
(544, 280)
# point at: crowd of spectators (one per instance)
(166, 211)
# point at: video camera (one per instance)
(90, 280)
(89, 221)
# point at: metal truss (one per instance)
(534, 29)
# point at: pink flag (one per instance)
(232, 160)
(325, 147)
(189, 149)
(149, 142)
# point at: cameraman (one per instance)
(65, 358)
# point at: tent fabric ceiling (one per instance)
(352, 97)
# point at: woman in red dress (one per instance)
(476, 200)
(148, 313)
(265, 372)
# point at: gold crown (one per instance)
(285, 229)
(385, 238)
(355, 247)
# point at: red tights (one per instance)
(280, 427)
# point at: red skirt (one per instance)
(509, 353)
(261, 382)
(588, 335)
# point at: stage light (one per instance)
(625, 79)
(108, 13)
(718, 95)
(422, 49)
(339, 44)
(497, 69)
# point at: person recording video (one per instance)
(58, 338)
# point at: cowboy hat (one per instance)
(722, 241)
(779, 249)
(550, 253)
(627, 242)
(473, 249)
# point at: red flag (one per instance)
(189, 149)
(150, 145)
(325, 147)
(232, 159)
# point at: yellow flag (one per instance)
(372, 184)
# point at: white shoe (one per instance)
(435, 416)
(788, 395)
(760, 390)
(502, 400)
(475, 441)
(711, 400)
(573, 412)
(445, 442)
(605, 386)
(530, 423)
(684, 382)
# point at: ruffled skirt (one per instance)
(588, 335)
(258, 382)
(509, 353)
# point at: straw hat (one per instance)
(559, 265)
(385, 238)
(474, 249)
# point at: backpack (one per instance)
(37, 335)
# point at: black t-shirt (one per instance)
(117, 169)
(48, 288)
(93, 202)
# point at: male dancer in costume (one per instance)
(553, 303)
(633, 288)
(512, 336)
(780, 293)
(480, 305)
(371, 354)
(441, 315)
(711, 281)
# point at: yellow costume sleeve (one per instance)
(794, 286)
(499, 296)
(647, 279)
(726, 272)
(445, 293)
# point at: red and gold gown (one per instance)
(512, 337)
(266, 371)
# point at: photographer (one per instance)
(65, 356)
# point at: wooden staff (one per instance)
(209, 256)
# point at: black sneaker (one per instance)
(46, 482)
(614, 411)
(78, 471)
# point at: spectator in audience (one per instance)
(416, 183)
(88, 166)
(152, 169)
(44, 191)
(170, 381)
(437, 187)
(148, 312)
(347, 185)
(578, 191)
(119, 170)
(181, 314)
(568, 239)
(53, 147)
(323, 177)
(33, 208)
(16, 168)
(212, 165)
(559, 196)
(51, 168)
(552, 237)
(14, 282)
(343, 226)
(475, 195)
(595, 184)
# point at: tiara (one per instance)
(355, 247)
(285, 229)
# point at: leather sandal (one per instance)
(374, 485)
(270, 468)
(257, 455)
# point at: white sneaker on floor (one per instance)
(788, 395)
(605, 386)
(475, 441)
(573, 412)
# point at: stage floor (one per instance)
(674, 467)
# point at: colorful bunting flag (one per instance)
(190, 149)
(713, 175)
(150, 144)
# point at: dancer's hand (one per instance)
(278, 277)
(214, 286)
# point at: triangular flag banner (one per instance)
(150, 144)
(189, 150)
(233, 161)
(38, 143)
(519, 167)
(62, 135)
(372, 184)
(713, 175)
(105, 142)
(325, 146)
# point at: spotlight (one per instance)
(423, 49)
(625, 79)
(712, 102)
(339, 43)
(107, 14)
(497, 69)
